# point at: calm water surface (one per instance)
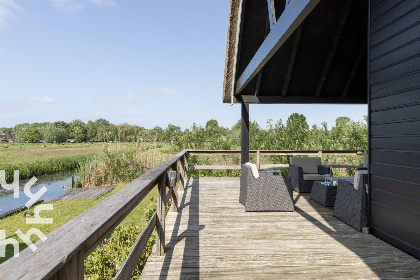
(56, 184)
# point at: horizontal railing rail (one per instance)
(259, 153)
(62, 254)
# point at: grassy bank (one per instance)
(115, 164)
(105, 260)
(34, 159)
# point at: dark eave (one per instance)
(314, 53)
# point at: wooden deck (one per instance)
(213, 237)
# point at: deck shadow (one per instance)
(191, 257)
(369, 257)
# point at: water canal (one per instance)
(57, 185)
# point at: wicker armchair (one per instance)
(303, 171)
(272, 191)
(351, 204)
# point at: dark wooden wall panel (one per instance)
(396, 113)
(409, 205)
(411, 96)
(398, 187)
(394, 87)
(406, 158)
(397, 85)
(400, 10)
(401, 237)
(396, 128)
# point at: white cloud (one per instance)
(103, 2)
(41, 100)
(68, 6)
(164, 91)
(8, 10)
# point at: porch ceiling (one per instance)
(315, 53)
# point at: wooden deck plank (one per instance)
(213, 237)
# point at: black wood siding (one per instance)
(394, 86)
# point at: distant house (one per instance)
(7, 137)
(70, 141)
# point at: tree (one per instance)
(78, 130)
(78, 134)
(171, 133)
(8, 130)
(17, 130)
(296, 132)
(156, 134)
(91, 130)
(30, 134)
(63, 125)
(102, 122)
(55, 134)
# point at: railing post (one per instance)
(320, 154)
(258, 160)
(186, 166)
(181, 169)
(174, 192)
(365, 158)
(160, 210)
(72, 269)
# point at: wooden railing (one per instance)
(62, 255)
(259, 153)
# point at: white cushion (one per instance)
(357, 178)
(254, 169)
(309, 164)
(313, 177)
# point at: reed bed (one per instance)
(119, 163)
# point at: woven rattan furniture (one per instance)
(351, 204)
(324, 193)
(272, 191)
(303, 171)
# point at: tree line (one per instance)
(293, 134)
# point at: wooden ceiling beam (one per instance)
(333, 49)
(288, 22)
(292, 59)
(299, 99)
(354, 69)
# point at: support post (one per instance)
(174, 193)
(244, 132)
(181, 169)
(160, 210)
(258, 160)
(72, 269)
(186, 166)
(365, 158)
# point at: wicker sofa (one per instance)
(272, 191)
(303, 171)
(351, 204)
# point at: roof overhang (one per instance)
(299, 51)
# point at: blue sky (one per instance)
(143, 62)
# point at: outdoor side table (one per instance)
(324, 193)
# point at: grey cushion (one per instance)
(308, 164)
(313, 177)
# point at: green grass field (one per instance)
(63, 212)
(39, 159)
